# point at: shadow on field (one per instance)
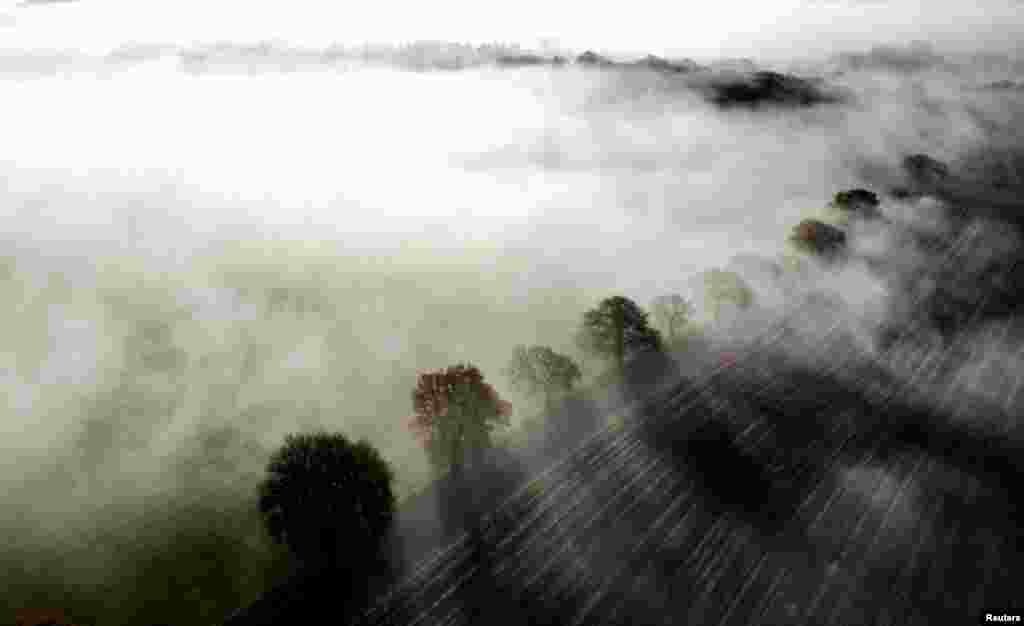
(802, 426)
(735, 481)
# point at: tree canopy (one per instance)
(615, 328)
(671, 312)
(455, 412)
(539, 370)
(819, 238)
(325, 495)
(723, 287)
(857, 201)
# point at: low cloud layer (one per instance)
(253, 253)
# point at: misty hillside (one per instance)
(760, 494)
(206, 248)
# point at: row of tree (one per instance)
(325, 495)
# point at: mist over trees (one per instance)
(205, 371)
(540, 371)
(672, 312)
(724, 289)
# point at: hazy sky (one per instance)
(732, 27)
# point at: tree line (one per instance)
(326, 496)
(330, 500)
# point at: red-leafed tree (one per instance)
(455, 412)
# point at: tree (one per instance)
(725, 287)
(671, 311)
(819, 238)
(617, 327)
(539, 370)
(455, 412)
(857, 201)
(923, 169)
(324, 496)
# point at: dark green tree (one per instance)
(540, 371)
(325, 496)
(857, 202)
(616, 328)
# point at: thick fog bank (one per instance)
(195, 264)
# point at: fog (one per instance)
(777, 28)
(197, 262)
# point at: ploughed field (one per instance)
(799, 482)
